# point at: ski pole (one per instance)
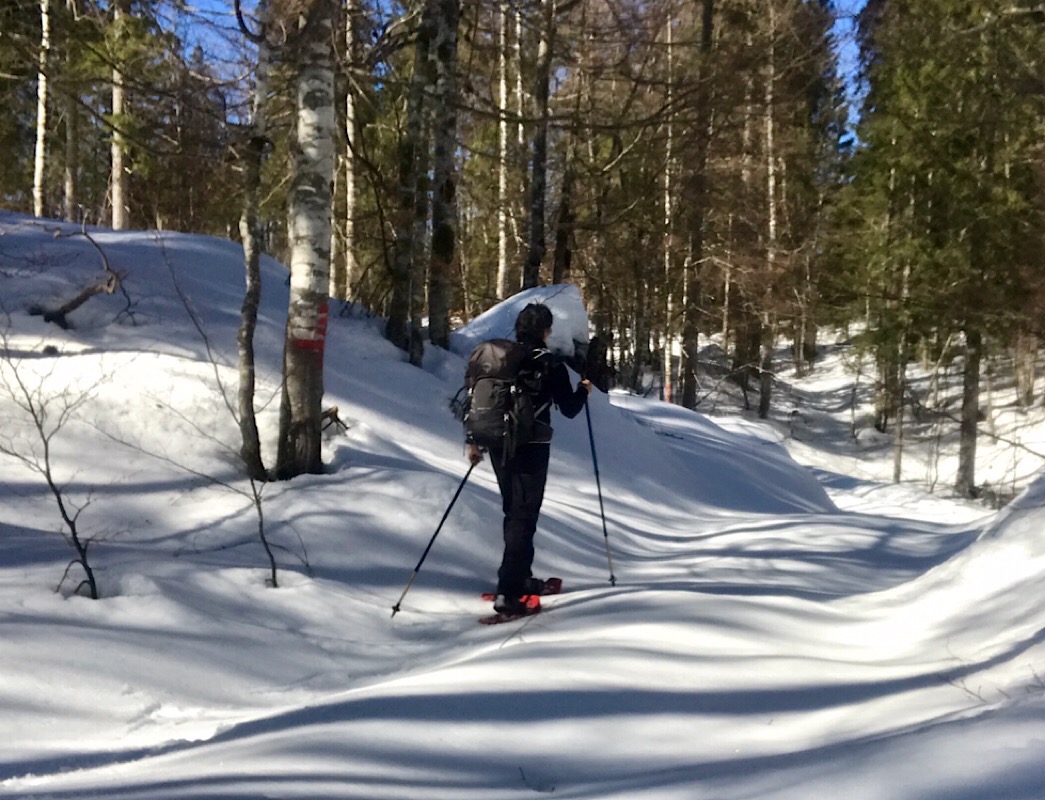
(439, 527)
(598, 485)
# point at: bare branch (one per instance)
(198, 324)
(45, 426)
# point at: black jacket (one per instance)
(555, 387)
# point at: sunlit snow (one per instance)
(785, 625)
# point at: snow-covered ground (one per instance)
(784, 624)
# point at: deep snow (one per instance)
(776, 631)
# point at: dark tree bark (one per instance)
(444, 201)
(697, 198)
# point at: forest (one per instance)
(736, 172)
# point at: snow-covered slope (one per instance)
(759, 643)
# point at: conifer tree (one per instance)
(945, 189)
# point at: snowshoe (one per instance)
(537, 587)
(507, 609)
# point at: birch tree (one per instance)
(768, 328)
(345, 275)
(668, 242)
(71, 203)
(309, 233)
(44, 59)
(118, 148)
(503, 158)
(70, 25)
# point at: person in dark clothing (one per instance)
(521, 478)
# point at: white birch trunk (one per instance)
(72, 160)
(901, 375)
(337, 266)
(519, 161)
(520, 94)
(71, 203)
(768, 333)
(309, 233)
(40, 159)
(503, 289)
(352, 276)
(118, 174)
(343, 271)
(668, 340)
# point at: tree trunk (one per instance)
(344, 268)
(668, 243)
(72, 160)
(118, 174)
(309, 229)
(1026, 357)
(746, 351)
(539, 159)
(564, 230)
(40, 158)
(351, 289)
(503, 270)
(768, 328)
(411, 183)
(810, 328)
(902, 356)
(697, 221)
(965, 481)
(251, 233)
(444, 200)
(71, 204)
(641, 326)
(337, 265)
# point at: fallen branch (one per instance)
(113, 280)
(59, 315)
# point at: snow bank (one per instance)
(569, 329)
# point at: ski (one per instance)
(551, 586)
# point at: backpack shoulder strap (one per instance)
(533, 370)
(539, 359)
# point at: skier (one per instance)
(522, 476)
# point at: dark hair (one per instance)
(531, 324)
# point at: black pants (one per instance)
(521, 481)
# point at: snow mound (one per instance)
(567, 307)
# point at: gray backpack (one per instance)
(503, 379)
